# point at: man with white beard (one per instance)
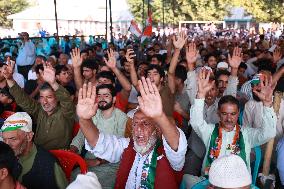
(146, 161)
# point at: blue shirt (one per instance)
(27, 54)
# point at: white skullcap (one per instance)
(229, 172)
(19, 120)
(8, 54)
(223, 65)
(87, 181)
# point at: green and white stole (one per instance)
(237, 147)
(149, 170)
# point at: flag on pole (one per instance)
(147, 30)
(134, 30)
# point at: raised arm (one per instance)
(111, 63)
(197, 121)
(150, 103)
(191, 81)
(178, 44)
(86, 109)
(76, 63)
(22, 99)
(277, 75)
(277, 55)
(133, 74)
(104, 146)
(261, 135)
(234, 62)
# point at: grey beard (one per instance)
(143, 149)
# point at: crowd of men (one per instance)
(176, 112)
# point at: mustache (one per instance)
(102, 101)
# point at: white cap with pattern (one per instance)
(229, 172)
(19, 120)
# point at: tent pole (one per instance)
(56, 21)
(106, 21)
(110, 16)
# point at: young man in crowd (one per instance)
(85, 70)
(109, 120)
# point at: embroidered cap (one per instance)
(229, 172)
(19, 120)
(87, 181)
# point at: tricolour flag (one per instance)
(147, 30)
(134, 30)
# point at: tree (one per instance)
(8, 7)
(208, 10)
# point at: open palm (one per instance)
(191, 53)
(150, 101)
(76, 58)
(111, 62)
(87, 106)
(180, 41)
(48, 74)
(266, 90)
(204, 85)
(236, 59)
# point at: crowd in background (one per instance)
(196, 102)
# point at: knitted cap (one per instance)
(19, 120)
(229, 172)
(87, 181)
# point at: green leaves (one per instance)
(8, 7)
(206, 10)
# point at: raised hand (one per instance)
(204, 85)
(76, 58)
(130, 55)
(150, 100)
(191, 53)
(87, 106)
(48, 73)
(8, 69)
(277, 55)
(236, 59)
(266, 90)
(111, 62)
(180, 40)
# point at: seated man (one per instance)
(54, 113)
(109, 120)
(40, 169)
(196, 152)
(228, 137)
(9, 168)
(146, 162)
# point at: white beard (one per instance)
(143, 149)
